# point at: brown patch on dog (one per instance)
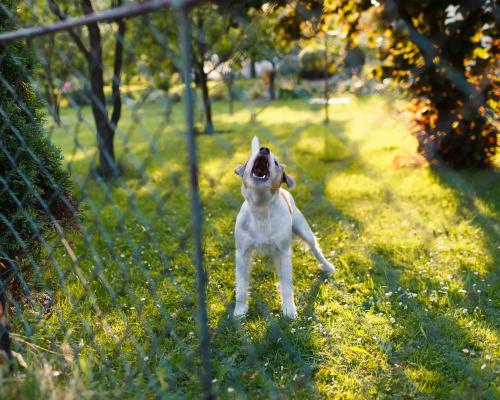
(286, 197)
(276, 183)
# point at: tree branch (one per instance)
(59, 14)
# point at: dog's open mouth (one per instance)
(260, 168)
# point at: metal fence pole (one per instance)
(196, 211)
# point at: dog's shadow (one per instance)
(276, 350)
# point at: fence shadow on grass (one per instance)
(439, 338)
(476, 190)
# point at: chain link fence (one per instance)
(107, 293)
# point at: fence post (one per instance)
(196, 211)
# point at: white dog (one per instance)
(265, 223)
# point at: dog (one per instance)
(266, 223)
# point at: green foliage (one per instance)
(446, 56)
(33, 185)
(312, 62)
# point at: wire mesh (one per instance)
(108, 291)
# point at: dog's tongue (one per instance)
(259, 172)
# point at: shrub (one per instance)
(34, 189)
(312, 63)
(449, 64)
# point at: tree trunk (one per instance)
(231, 98)
(272, 76)
(105, 132)
(117, 69)
(228, 79)
(253, 72)
(207, 105)
(202, 76)
(326, 93)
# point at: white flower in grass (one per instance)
(465, 350)
(483, 366)
(230, 390)
(393, 320)
(388, 294)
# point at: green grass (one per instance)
(413, 311)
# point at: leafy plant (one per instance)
(34, 188)
(446, 56)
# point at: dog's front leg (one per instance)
(286, 283)
(242, 278)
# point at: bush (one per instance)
(34, 189)
(312, 63)
(452, 73)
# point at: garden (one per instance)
(385, 115)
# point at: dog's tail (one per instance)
(255, 145)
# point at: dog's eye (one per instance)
(275, 162)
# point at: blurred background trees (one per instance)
(443, 56)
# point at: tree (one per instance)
(35, 190)
(204, 19)
(93, 53)
(216, 38)
(446, 57)
(210, 42)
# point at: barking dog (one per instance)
(265, 223)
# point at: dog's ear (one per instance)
(240, 169)
(287, 179)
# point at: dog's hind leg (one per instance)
(301, 228)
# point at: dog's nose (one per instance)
(264, 150)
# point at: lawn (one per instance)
(413, 311)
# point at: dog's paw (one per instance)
(240, 310)
(290, 311)
(328, 268)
